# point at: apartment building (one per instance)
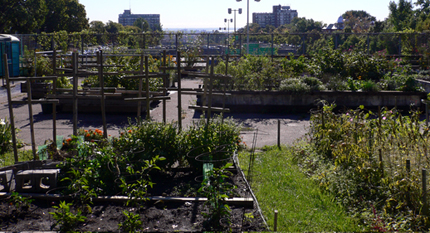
(127, 19)
(279, 16)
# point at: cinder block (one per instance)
(5, 181)
(36, 181)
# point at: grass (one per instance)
(8, 159)
(279, 185)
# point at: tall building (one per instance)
(281, 15)
(127, 19)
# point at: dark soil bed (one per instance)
(158, 216)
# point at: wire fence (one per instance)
(390, 44)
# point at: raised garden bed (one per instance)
(173, 205)
(277, 101)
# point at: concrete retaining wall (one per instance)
(259, 101)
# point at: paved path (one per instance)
(292, 126)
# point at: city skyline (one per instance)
(204, 14)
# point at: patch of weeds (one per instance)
(132, 222)
(217, 190)
(65, 219)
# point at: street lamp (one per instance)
(240, 12)
(247, 23)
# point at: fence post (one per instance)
(275, 221)
(408, 170)
(381, 163)
(279, 133)
(424, 191)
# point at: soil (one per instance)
(158, 216)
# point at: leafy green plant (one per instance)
(216, 189)
(213, 142)
(19, 201)
(132, 222)
(145, 139)
(137, 181)
(5, 136)
(65, 218)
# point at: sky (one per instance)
(195, 14)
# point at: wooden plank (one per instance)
(215, 109)
(40, 101)
(201, 93)
(237, 201)
(33, 78)
(152, 75)
(146, 98)
(204, 75)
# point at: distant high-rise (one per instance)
(127, 19)
(281, 15)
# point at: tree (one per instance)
(358, 21)
(142, 24)
(67, 15)
(401, 15)
(22, 16)
(306, 25)
(97, 27)
(112, 27)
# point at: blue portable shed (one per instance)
(10, 45)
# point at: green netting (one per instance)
(59, 141)
(42, 152)
(206, 168)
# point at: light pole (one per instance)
(240, 12)
(247, 24)
(228, 32)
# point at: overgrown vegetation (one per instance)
(328, 69)
(361, 158)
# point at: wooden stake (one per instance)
(75, 93)
(178, 63)
(148, 110)
(139, 103)
(275, 221)
(102, 92)
(165, 85)
(424, 191)
(279, 133)
(9, 100)
(30, 114)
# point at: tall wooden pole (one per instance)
(30, 114)
(178, 63)
(102, 90)
(75, 93)
(165, 85)
(9, 99)
(148, 110)
(139, 103)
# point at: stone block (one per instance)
(36, 181)
(5, 181)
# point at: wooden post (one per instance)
(148, 110)
(279, 133)
(381, 163)
(165, 85)
(9, 100)
(178, 63)
(54, 90)
(210, 90)
(424, 191)
(102, 92)
(75, 93)
(30, 114)
(427, 114)
(275, 221)
(139, 103)
(408, 171)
